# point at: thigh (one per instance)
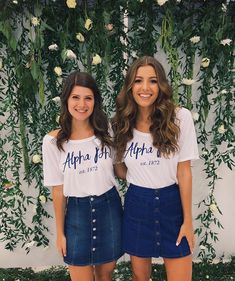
(179, 269)
(103, 272)
(81, 273)
(141, 268)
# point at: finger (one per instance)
(190, 243)
(60, 251)
(179, 239)
(64, 250)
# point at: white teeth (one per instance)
(145, 95)
(80, 111)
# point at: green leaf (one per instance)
(41, 91)
(35, 70)
(12, 43)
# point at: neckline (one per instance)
(141, 133)
(78, 140)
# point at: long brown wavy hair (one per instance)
(98, 118)
(163, 128)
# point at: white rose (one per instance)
(1, 63)
(96, 59)
(195, 116)
(58, 119)
(71, 3)
(202, 247)
(161, 2)
(30, 244)
(88, 24)
(226, 42)
(204, 152)
(188, 82)
(195, 39)
(42, 199)
(28, 65)
(36, 159)
(205, 62)
(58, 70)
(35, 21)
(224, 91)
(213, 207)
(53, 47)
(221, 129)
(15, 2)
(141, 1)
(80, 37)
(70, 54)
(207, 276)
(224, 8)
(56, 99)
(109, 26)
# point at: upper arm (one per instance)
(120, 170)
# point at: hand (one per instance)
(61, 245)
(186, 230)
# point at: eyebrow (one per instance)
(142, 76)
(77, 94)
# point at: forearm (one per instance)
(184, 176)
(59, 203)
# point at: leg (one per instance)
(81, 273)
(141, 268)
(103, 272)
(179, 269)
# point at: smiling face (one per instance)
(81, 103)
(145, 87)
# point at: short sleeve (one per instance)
(51, 159)
(188, 148)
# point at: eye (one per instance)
(89, 98)
(137, 81)
(153, 81)
(75, 97)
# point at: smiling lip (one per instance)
(145, 96)
(81, 111)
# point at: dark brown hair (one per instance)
(163, 128)
(98, 118)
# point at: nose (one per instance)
(81, 102)
(145, 85)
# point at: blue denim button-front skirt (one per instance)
(93, 229)
(152, 221)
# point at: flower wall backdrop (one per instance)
(42, 41)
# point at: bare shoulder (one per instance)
(54, 133)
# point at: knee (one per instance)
(103, 276)
(138, 275)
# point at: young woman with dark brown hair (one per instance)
(77, 163)
(155, 141)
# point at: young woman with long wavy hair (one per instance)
(155, 141)
(77, 163)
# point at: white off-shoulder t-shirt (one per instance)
(147, 168)
(82, 168)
